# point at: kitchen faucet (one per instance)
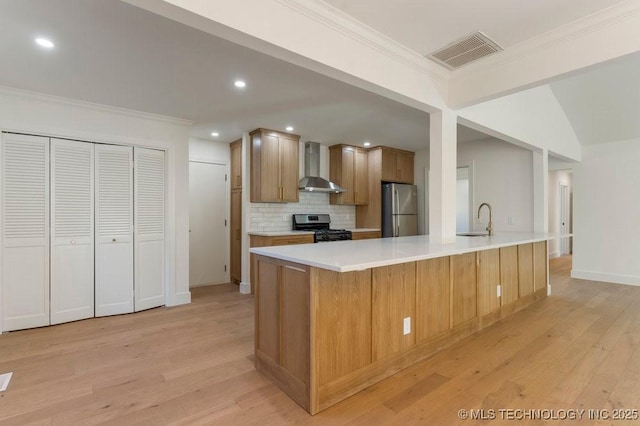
(490, 225)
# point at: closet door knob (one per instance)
(114, 240)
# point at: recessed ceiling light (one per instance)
(366, 143)
(289, 129)
(240, 84)
(45, 42)
(215, 134)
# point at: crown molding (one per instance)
(562, 37)
(340, 21)
(26, 94)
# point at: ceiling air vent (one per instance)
(466, 50)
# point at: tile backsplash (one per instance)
(277, 216)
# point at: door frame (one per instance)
(564, 207)
(227, 212)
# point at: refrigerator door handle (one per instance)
(397, 212)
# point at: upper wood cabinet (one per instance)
(236, 164)
(274, 167)
(397, 165)
(348, 167)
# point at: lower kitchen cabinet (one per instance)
(433, 291)
(365, 235)
(464, 289)
(488, 281)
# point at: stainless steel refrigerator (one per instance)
(399, 210)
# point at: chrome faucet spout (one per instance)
(490, 225)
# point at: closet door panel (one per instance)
(114, 230)
(149, 207)
(24, 217)
(72, 236)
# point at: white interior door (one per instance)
(114, 229)
(208, 247)
(72, 243)
(25, 231)
(149, 253)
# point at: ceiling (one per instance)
(112, 53)
(603, 104)
(426, 26)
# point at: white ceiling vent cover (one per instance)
(468, 49)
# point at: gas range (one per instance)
(319, 224)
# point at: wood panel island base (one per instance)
(324, 335)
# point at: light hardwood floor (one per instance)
(193, 364)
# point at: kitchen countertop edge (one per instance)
(417, 248)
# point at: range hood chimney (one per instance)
(312, 182)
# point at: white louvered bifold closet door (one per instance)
(72, 243)
(25, 231)
(114, 230)
(149, 205)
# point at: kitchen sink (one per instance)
(472, 234)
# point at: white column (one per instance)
(245, 259)
(442, 176)
(541, 190)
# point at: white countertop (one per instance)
(288, 233)
(355, 255)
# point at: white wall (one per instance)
(502, 177)
(532, 117)
(606, 225)
(209, 151)
(58, 117)
(421, 174)
(557, 178)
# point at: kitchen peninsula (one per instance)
(333, 319)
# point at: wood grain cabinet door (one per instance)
(288, 167)
(464, 289)
(488, 281)
(361, 177)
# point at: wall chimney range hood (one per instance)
(312, 182)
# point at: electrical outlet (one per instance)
(284, 218)
(499, 290)
(407, 325)
(510, 220)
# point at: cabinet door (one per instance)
(236, 235)
(289, 170)
(463, 291)
(347, 175)
(72, 232)
(114, 230)
(488, 280)
(433, 297)
(389, 170)
(236, 164)
(404, 166)
(540, 265)
(361, 178)
(509, 274)
(149, 253)
(268, 185)
(525, 269)
(25, 231)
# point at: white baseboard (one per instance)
(554, 254)
(245, 288)
(606, 277)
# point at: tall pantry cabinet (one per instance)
(69, 234)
